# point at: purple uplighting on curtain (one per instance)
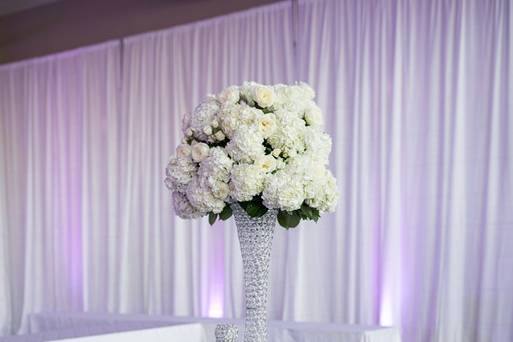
(216, 272)
(48, 108)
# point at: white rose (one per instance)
(264, 96)
(189, 132)
(207, 130)
(313, 115)
(267, 125)
(215, 123)
(221, 190)
(183, 150)
(230, 95)
(219, 135)
(199, 152)
(276, 152)
(266, 163)
(308, 91)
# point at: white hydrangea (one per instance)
(283, 190)
(308, 93)
(318, 144)
(179, 172)
(183, 207)
(229, 118)
(246, 92)
(203, 116)
(290, 98)
(246, 181)
(214, 171)
(186, 124)
(229, 96)
(249, 115)
(217, 165)
(321, 190)
(201, 197)
(289, 135)
(245, 145)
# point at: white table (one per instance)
(182, 333)
(59, 326)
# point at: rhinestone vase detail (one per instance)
(255, 238)
(226, 333)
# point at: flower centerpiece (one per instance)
(260, 146)
(260, 152)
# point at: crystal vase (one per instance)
(255, 238)
(226, 333)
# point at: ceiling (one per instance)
(13, 6)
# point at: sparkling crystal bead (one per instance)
(255, 238)
(226, 333)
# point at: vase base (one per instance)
(227, 333)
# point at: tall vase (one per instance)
(255, 238)
(226, 333)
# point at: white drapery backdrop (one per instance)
(58, 120)
(415, 96)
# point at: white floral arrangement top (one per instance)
(260, 146)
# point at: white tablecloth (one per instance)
(58, 326)
(182, 333)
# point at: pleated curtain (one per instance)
(59, 117)
(417, 95)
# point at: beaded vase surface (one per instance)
(226, 333)
(255, 238)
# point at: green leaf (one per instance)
(268, 147)
(212, 218)
(226, 213)
(308, 213)
(288, 219)
(255, 207)
(301, 214)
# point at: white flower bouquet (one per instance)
(261, 146)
